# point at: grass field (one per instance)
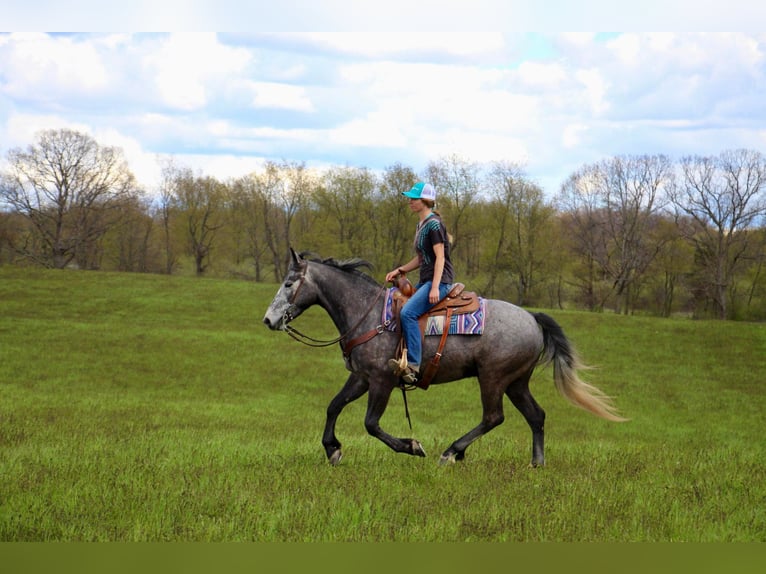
(151, 408)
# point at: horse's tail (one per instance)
(566, 363)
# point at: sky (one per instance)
(313, 86)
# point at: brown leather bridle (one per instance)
(312, 342)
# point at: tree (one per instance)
(200, 202)
(669, 268)
(12, 229)
(289, 186)
(756, 275)
(128, 243)
(522, 220)
(502, 181)
(634, 192)
(394, 217)
(457, 184)
(583, 222)
(346, 198)
(612, 207)
(251, 200)
(722, 196)
(170, 176)
(69, 188)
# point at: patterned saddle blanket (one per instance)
(471, 323)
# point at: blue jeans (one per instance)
(414, 308)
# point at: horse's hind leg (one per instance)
(523, 400)
(354, 388)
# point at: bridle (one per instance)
(312, 342)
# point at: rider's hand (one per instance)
(433, 295)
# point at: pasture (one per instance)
(153, 408)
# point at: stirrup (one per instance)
(398, 366)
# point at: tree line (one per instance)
(630, 234)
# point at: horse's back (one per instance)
(511, 340)
(511, 321)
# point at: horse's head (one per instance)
(286, 304)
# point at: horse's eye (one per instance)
(288, 284)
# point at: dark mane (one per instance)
(353, 265)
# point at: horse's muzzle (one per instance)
(273, 325)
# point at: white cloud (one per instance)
(542, 75)
(280, 96)
(627, 48)
(434, 96)
(42, 67)
(596, 89)
(386, 127)
(189, 67)
(475, 145)
(572, 135)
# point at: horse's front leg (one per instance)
(354, 388)
(380, 392)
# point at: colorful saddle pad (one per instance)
(460, 324)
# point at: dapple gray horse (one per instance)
(503, 358)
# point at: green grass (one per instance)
(148, 408)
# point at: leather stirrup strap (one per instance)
(433, 364)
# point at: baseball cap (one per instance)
(421, 190)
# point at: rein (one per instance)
(312, 342)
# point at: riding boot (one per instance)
(411, 374)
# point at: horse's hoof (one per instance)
(417, 448)
(336, 457)
(447, 459)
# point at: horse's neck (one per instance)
(347, 299)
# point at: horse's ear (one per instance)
(295, 257)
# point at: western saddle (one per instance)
(457, 302)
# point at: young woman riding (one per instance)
(432, 248)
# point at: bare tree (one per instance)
(69, 188)
(584, 224)
(171, 175)
(723, 196)
(634, 193)
(612, 208)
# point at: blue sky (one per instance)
(224, 102)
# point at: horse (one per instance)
(514, 343)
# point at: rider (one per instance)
(432, 248)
